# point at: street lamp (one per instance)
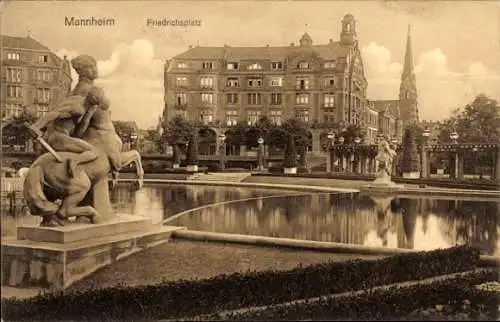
(329, 159)
(260, 141)
(222, 150)
(356, 160)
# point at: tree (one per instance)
(192, 151)
(13, 130)
(351, 132)
(178, 130)
(298, 129)
(409, 159)
(477, 122)
(290, 160)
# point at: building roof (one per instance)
(22, 43)
(331, 50)
(390, 107)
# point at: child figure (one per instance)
(60, 125)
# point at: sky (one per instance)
(456, 45)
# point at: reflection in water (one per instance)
(350, 218)
(422, 224)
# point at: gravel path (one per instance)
(178, 260)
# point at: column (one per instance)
(329, 160)
(496, 164)
(457, 170)
(424, 162)
(316, 148)
(460, 158)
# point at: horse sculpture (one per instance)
(56, 196)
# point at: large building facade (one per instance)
(323, 85)
(31, 75)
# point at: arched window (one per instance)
(255, 66)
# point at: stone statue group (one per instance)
(70, 181)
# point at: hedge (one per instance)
(389, 304)
(224, 292)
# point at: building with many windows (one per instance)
(31, 75)
(323, 85)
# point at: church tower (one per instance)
(408, 105)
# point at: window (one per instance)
(302, 115)
(206, 82)
(329, 100)
(276, 98)
(255, 82)
(42, 110)
(207, 65)
(43, 58)
(232, 98)
(231, 118)
(13, 91)
(44, 75)
(303, 65)
(232, 66)
(254, 99)
(182, 65)
(181, 81)
(43, 95)
(206, 117)
(302, 83)
(12, 110)
(329, 81)
(302, 99)
(253, 117)
(254, 66)
(181, 98)
(13, 56)
(233, 82)
(207, 98)
(276, 117)
(329, 64)
(277, 65)
(14, 75)
(276, 81)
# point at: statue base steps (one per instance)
(55, 258)
(75, 232)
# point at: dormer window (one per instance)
(182, 65)
(207, 65)
(329, 64)
(13, 56)
(43, 58)
(232, 66)
(254, 66)
(303, 65)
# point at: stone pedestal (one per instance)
(56, 257)
(382, 184)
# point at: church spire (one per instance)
(408, 88)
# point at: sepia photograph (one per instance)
(243, 160)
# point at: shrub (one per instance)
(390, 304)
(410, 159)
(192, 151)
(290, 160)
(189, 298)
